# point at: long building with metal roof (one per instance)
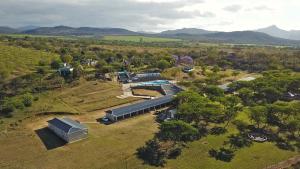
(139, 108)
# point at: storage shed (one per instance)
(68, 129)
(139, 108)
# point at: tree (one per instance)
(258, 114)
(55, 64)
(78, 71)
(232, 107)
(246, 95)
(163, 64)
(66, 58)
(177, 130)
(293, 126)
(213, 92)
(152, 153)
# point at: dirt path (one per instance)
(285, 164)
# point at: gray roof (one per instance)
(141, 106)
(67, 125)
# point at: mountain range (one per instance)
(277, 32)
(266, 36)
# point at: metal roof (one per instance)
(67, 125)
(141, 106)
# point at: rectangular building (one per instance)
(68, 129)
(139, 108)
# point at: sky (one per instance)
(153, 15)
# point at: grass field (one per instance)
(139, 39)
(19, 61)
(114, 147)
(87, 97)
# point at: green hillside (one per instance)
(15, 61)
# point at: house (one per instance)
(68, 129)
(167, 115)
(143, 77)
(91, 62)
(124, 77)
(65, 70)
(187, 69)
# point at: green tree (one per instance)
(177, 131)
(55, 64)
(66, 58)
(232, 107)
(258, 114)
(163, 64)
(152, 153)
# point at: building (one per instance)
(68, 129)
(139, 108)
(143, 77)
(124, 77)
(66, 70)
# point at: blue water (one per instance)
(154, 83)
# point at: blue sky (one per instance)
(153, 15)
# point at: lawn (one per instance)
(19, 61)
(139, 39)
(114, 147)
(86, 97)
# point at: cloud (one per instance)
(260, 8)
(152, 15)
(131, 14)
(233, 8)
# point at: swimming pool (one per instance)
(154, 83)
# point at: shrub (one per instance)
(174, 153)
(55, 64)
(7, 108)
(222, 154)
(27, 100)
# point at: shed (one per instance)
(68, 129)
(139, 108)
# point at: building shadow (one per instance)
(50, 139)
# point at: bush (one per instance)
(218, 130)
(174, 153)
(7, 108)
(223, 154)
(27, 100)
(19, 104)
(55, 64)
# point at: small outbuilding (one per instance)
(68, 129)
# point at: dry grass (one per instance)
(145, 92)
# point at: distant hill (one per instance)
(277, 32)
(27, 28)
(243, 37)
(64, 30)
(7, 30)
(190, 31)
